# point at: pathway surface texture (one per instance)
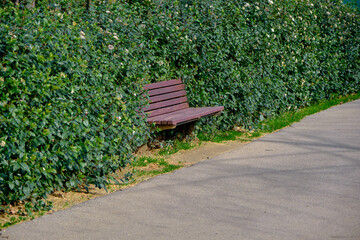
(302, 182)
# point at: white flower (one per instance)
(272, 30)
(328, 13)
(111, 21)
(271, 2)
(1, 79)
(257, 8)
(126, 51)
(116, 37)
(107, 11)
(72, 90)
(86, 111)
(247, 5)
(2, 143)
(133, 133)
(82, 35)
(111, 47)
(119, 118)
(268, 35)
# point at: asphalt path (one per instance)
(302, 182)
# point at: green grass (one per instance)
(287, 118)
(176, 146)
(230, 135)
(163, 166)
(283, 120)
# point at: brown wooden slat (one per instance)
(162, 84)
(166, 110)
(167, 103)
(197, 113)
(167, 96)
(165, 90)
(184, 115)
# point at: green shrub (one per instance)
(257, 59)
(68, 104)
(70, 83)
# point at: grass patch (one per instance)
(287, 118)
(230, 135)
(174, 146)
(151, 166)
(272, 124)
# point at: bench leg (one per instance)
(190, 129)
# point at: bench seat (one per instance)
(168, 106)
(184, 115)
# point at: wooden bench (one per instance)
(169, 105)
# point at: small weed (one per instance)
(230, 135)
(150, 166)
(176, 146)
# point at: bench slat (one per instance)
(167, 110)
(184, 115)
(162, 84)
(167, 96)
(166, 90)
(167, 103)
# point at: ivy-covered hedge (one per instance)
(70, 81)
(69, 97)
(256, 59)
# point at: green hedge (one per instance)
(70, 84)
(69, 98)
(256, 59)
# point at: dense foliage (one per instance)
(70, 81)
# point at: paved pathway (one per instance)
(302, 182)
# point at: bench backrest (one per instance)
(166, 97)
